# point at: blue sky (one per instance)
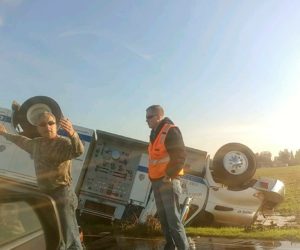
(225, 71)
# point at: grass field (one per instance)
(291, 178)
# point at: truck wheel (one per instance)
(233, 165)
(30, 109)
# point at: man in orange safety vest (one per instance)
(166, 160)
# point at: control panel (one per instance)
(113, 166)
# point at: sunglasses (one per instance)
(44, 124)
(148, 117)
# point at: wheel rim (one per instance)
(235, 162)
(35, 110)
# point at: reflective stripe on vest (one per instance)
(164, 160)
(158, 154)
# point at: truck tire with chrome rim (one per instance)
(25, 114)
(233, 165)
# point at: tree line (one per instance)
(284, 158)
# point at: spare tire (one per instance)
(233, 165)
(24, 117)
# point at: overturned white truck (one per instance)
(111, 180)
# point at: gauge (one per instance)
(115, 154)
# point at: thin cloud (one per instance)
(11, 2)
(132, 49)
(138, 52)
(77, 33)
(1, 21)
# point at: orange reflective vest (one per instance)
(158, 154)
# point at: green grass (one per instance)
(153, 229)
(291, 178)
(291, 234)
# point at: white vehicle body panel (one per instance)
(111, 180)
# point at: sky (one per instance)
(224, 71)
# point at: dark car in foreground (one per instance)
(28, 218)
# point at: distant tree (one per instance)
(264, 159)
(292, 159)
(284, 156)
(297, 157)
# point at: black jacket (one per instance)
(174, 145)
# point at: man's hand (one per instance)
(167, 179)
(66, 124)
(2, 129)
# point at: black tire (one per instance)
(21, 116)
(233, 165)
